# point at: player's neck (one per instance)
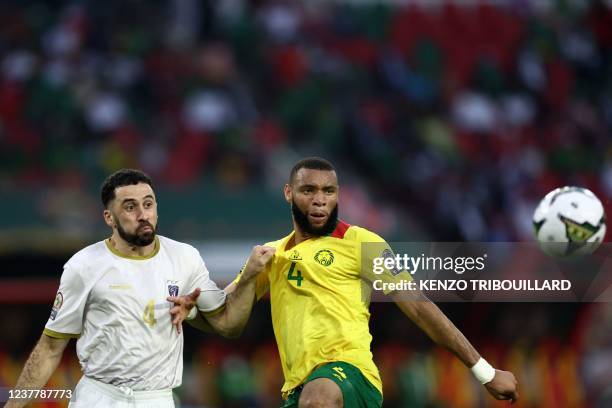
(300, 236)
(125, 248)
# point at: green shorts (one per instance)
(357, 391)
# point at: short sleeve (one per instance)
(211, 298)
(66, 319)
(374, 251)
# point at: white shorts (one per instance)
(91, 393)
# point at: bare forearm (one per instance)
(200, 323)
(238, 306)
(440, 329)
(241, 295)
(39, 366)
(500, 384)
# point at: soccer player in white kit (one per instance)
(113, 296)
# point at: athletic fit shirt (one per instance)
(116, 306)
(319, 295)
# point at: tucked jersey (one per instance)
(116, 305)
(319, 294)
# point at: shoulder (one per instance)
(279, 242)
(178, 248)
(90, 255)
(275, 244)
(360, 234)
(82, 263)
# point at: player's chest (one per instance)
(308, 268)
(123, 283)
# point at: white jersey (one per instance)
(116, 305)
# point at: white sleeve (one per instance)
(66, 318)
(211, 298)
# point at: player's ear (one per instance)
(288, 193)
(108, 218)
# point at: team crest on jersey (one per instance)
(57, 304)
(173, 288)
(325, 257)
(295, 256)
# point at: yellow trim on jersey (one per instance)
(133, 257)
(214, 312)
(58, 335)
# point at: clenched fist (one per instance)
(260, 256)
(503, 386)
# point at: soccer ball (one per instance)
(569, 221)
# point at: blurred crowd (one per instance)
(446, 122)
(558, 364)
(464, 116)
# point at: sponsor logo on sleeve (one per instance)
(57, 305)
(388, 254)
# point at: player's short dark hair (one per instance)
(120, 178)
(312, 163)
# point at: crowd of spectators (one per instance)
(451, 120)
(461, 115)
(558, 364)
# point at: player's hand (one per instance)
(503, 386)
(260, 256)
(182, 307)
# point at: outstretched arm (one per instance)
(231, 319)
(42, 362)
(425, 314)
(240, 300)
(198, 321)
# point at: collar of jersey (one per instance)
(305, 242)
(134, 257)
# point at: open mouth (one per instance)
(318, 216)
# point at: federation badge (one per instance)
(386, 254)
(173, 290)
(57, 304)
(325, 257)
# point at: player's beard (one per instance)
(301, 219)
(137, 239)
